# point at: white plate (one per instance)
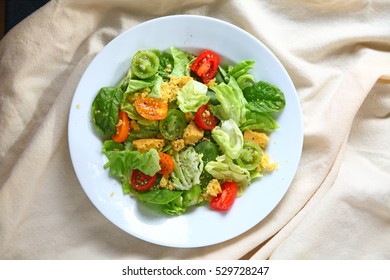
(201, 226)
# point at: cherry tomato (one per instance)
(151, 108)
(166, 163)
(122, 128)
(145, 64)
(206, 65)
(205, 119)
(225, 200)
(142, 182)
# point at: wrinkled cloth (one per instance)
(338, 56)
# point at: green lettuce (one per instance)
(181, 62)
(156, 89)
(188, 168)
(121, 162)
(229, 137)
(259, 121)
(191, 96)
(136, 85)
(240, 69)
(223, 168)
(232, 102)
(245, 81)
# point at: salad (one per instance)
(181, 130)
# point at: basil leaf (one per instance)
(264, 97)
(105, 110)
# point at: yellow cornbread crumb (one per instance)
(192, 134)
(178, 145)
(266, 165)
(139, 94)
(212, 83)
(170, 88)
(258, 138)
(213, 188)
(189, 116)
(165, 183)
(144, 145)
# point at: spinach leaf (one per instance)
(264, 97)
(105, 110)
(166, 63)
(159, 196)
(180, 204)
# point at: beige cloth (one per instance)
(338, 206)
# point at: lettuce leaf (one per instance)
(136, 85)
(259, 121)
(121, 162)
(181, 62)
(156, 89)
(229, 137)
(232, 102)
(188, 168)
(192, 96)
(241, 68)
(223, 168)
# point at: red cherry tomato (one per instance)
(225, 200)
(205, 119)
(142, 182)
(206, 65)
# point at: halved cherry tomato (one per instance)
(122, 128)
(151, 108)
(225, 200)
(206, 65)
(142, 182)
(166, 163)
(205, 119)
